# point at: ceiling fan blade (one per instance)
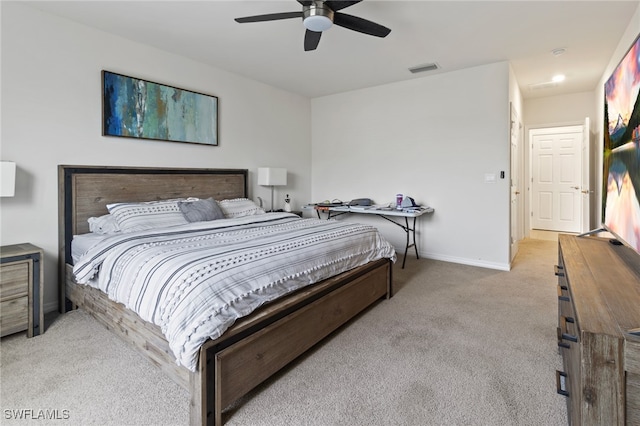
(311, 40)
(361, 25)
(339, 5)
(269, 17)
(305, 2)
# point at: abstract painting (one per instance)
(621, 155)
(137, 108)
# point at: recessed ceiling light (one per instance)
(558, 51)
(558, 78)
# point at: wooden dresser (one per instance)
(598, 316)
(21, 283)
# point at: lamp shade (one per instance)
(270, 176)
(7, 179)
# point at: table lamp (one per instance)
(270, 176)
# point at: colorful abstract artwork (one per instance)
(137, 108)
(621, 156)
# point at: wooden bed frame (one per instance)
(256, 346)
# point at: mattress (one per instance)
(196, 280)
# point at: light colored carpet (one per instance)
(456, 345)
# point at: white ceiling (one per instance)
(453, 34)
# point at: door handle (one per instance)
(586, 191)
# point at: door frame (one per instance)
(529, 162)
(586, 186)
(516, 229)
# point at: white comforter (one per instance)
(195, 280)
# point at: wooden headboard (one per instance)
(84, 191)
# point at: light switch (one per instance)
(489, 178)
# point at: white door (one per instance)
(586, 177)
(556, 178)
(516, 224)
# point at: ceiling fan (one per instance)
(318, 16)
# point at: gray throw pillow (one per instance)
(200, 210)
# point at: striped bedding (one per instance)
(195, 280)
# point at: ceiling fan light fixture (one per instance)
(317, 18)
(317, 23)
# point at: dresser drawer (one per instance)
(14, 315)
(632, 356)
(633, 399)
(14, 280)
(21, 289)
(568, 330)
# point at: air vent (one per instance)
(425, 67)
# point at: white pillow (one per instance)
(239, 207)
(106, 224)
(148, 215)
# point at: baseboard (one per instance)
(464, 261)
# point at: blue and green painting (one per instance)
(141, 109)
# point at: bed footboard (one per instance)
(255, 347)
(230, 373)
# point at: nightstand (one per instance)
(21, 288)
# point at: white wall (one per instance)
(563, 110)
(51, 114)
(434, 139)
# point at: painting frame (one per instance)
(621, 150)
(141, 109)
